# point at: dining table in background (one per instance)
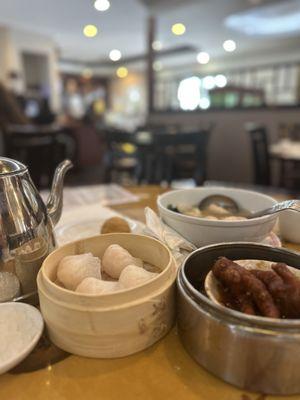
(163, 372)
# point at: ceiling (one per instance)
(124, 25)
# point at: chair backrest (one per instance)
(294, 133)
(116, 136)
(28, 136)
(120, 144)
(186, 149)
(198, 140)
(260, 151)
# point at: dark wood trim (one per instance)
(150, 61)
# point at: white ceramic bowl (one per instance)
(289, 226)
(20, 339)
(115, 324)
(201, 231)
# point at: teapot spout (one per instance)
(55, 200)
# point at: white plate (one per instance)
(85, 228)
(15, 336)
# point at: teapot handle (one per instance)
(55, 199)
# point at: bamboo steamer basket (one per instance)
(115, 324)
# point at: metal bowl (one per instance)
(254, 353)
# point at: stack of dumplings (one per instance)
(84, 273)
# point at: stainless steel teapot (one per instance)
(26, 227)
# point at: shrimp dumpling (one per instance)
(115, 259)
(72, 270)
(132, 276)
(96, 286)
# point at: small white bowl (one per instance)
(201, 231)
(289, 226)
(31, 317)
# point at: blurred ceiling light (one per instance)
(204, 103)
(157, 66)
(90, 31)
(220, 81)
(276, 18)
(209, 82)
(229, 45)
(122, 72)
(102, 5)
(189, 93)
(87, 73)
(156, 45)
(115, 55)
(203, 57)
(178, 29)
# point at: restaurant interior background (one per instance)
(153, 91)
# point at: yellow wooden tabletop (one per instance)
(165, 371)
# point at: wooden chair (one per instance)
(261, 157)
(38, 147)
(120, 156)
(173, 156)
(187, 156)
(146, 155)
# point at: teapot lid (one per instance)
(9, 166)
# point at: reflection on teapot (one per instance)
(26, 227)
